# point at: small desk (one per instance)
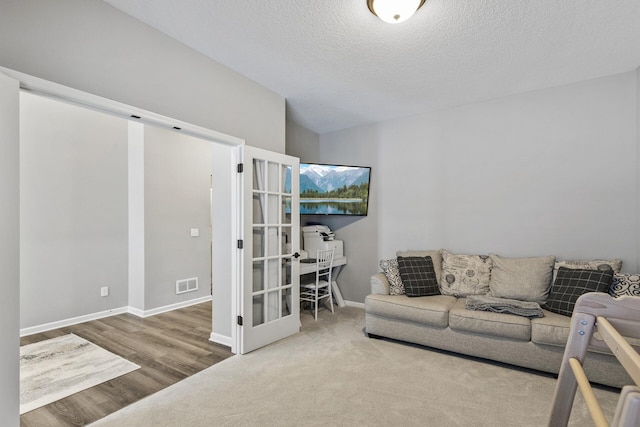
(338, 263)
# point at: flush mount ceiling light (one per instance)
(394, 11)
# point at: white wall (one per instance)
(91, 46)
(9, 251)
(546, 172)
(73, 211)
(177, 176)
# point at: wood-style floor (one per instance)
(168, 347)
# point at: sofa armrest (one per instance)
(379, 284)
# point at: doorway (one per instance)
(83, 213)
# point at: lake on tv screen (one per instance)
(333, 207)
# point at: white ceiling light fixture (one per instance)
(394, 11)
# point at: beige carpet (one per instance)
(331, 374)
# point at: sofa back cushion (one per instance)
(524, 279)
(464, 275)
(418, 276)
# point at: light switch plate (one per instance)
(195, 232)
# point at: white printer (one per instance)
(319, 238)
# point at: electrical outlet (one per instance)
(104, 291)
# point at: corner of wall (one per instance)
(302, 143)
(637, 168)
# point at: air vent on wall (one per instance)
(186, 285)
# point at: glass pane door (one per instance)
(270, 307)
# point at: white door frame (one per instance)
(69, 95)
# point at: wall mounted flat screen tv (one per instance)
(334, 189)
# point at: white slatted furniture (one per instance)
(321, 288)
(615, 320)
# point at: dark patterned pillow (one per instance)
(625, 284)
(570, 284)
(390, 269)
(418, 276)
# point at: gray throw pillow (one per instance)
(436, 258)
(418, 276)
(570, 284)
(524, 279)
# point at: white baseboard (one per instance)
(72, 321)
(170, 307)
(102, 314)
(220, 339)
(354, 304)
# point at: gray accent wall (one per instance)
(91, 46)
(73, 211)
(550, 172)
(177, 176)
(9, 251)
(302, 143)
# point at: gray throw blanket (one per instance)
(504, 305)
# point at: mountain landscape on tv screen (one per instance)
(323, 178)
(334, 190)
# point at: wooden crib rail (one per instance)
(615, 320)
(628, 357)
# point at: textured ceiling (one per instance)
(339, 66)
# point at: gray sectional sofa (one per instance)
(444, 322)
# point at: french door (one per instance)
(269, 307)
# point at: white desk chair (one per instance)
(321, 288)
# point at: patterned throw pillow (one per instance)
(418, 276)
(595, 264)
(625, 284)
(390, 269)
(464, 275)
(570, 284)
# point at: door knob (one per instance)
(296, 255)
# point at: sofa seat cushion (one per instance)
(431, 310)
(489, 323)
(552, 329)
